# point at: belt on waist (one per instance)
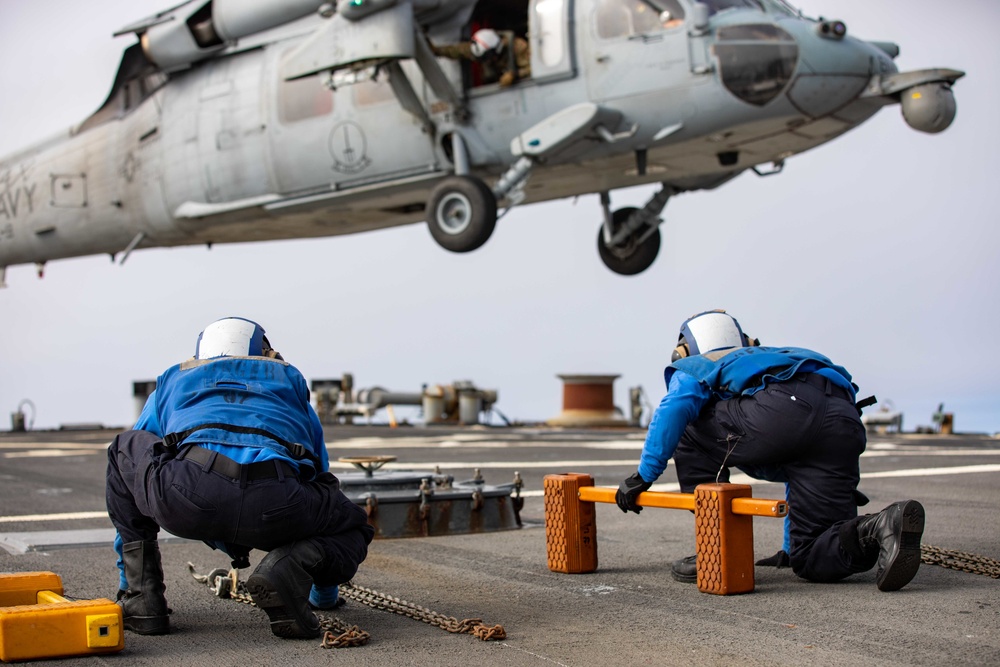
(226, 466)
(825, 384)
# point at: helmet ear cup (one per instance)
(269, 351)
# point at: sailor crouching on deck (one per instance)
(228, 450)
(783, 415)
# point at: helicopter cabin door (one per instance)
(634, 46)
(538, 38)
(550, 38)
(354, 135)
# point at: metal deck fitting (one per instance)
(723, 527)
(403, 503)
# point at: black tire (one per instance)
(461, 213)
(633, 258)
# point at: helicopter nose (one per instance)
(816, 64)
(833, 69)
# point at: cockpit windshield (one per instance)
(716, 6)
(781, 7)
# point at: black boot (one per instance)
(895, 534)
(685, 570)
(280, 586)
(144, 608)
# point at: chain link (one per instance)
(960, 560)
(337, 633)
(226, 585)
(376, 600)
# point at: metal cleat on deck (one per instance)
(36, 621)
(723, 527)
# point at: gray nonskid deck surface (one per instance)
(628, 612)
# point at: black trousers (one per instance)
(805, 432)
(148, 488)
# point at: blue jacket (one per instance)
(254, 392)
(693, 381)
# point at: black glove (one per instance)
(778, 560)
(628, 492)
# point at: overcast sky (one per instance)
(879, 249)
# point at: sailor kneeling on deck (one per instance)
(228, 450)
(781, 414)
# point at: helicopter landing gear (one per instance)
(461, 213)
(629, 239)
(633, 256)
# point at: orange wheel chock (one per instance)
(36, 621)
(723, 527)
(570, 525)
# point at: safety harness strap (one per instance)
(298, 451)
(865, 402)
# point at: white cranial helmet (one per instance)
(486, 42)
(231, 337)
(708, 331)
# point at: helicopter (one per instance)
(232, 121)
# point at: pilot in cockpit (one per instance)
(503, 56)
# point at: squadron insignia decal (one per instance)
(348, 146)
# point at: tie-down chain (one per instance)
(339, 634)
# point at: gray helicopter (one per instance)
(253, 120)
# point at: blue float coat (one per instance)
(693, 381)
(255, 392)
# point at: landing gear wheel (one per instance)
(631, 257)
(461, 213)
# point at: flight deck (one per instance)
(628, 612)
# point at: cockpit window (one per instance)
(716, 6)
(756, 61)
(781, 7)
(625, 18)
(762, 32)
